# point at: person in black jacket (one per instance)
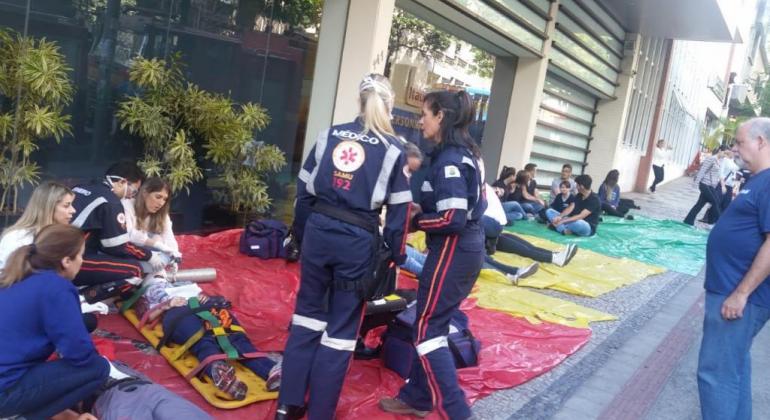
(109, 256)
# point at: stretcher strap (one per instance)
(214, 357)
(217, 329)
(128, 303)
(181, 350)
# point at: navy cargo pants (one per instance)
(325, 323)
(450, 271)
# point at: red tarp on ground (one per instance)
(263, 293)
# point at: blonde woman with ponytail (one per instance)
(41, 315)
(353, 170)
(51, 202)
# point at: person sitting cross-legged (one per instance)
(581, 217)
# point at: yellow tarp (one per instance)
(588, 274)
(494, 291)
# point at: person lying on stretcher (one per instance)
(213, 334)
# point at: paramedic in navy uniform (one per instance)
(453, 200)
(351, 172)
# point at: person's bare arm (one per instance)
(733, 306)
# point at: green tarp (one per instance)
(665, 243)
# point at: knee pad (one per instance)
(100, 292)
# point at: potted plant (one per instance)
(34, 90)
(172, 115)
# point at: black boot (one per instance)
(491, 245)
(289, 412)
(292, 247)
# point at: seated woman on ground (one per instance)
(505, 188)
(609, 194)
(529, 202)
(148, 222)
(32, 332)
(50, 203)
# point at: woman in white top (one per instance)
(50, 203)
(659, 158)
(147, 220)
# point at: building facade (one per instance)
(588, 82)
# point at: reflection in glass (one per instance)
(251, 50)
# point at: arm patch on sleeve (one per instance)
(451, 171)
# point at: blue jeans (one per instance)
(52, 387)
(578, 227)
(531, 208)
(415, 260)
(513, 211)
(492, 228)
(724, 365)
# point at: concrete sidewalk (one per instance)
(641, 366)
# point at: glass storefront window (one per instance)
(615, 42)
(605, 18)
(455, 65)
(563, 106)
(584, 56)
(560, 136)
(568, 25)
(564, 155)
(582, 72)
(566, 91)
(246, 49)
(524, 12)
(502, 23)
(565, 122)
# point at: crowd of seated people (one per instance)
(574, 208)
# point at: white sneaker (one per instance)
(564, 256)
(522, 273)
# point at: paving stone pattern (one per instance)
(627, 367)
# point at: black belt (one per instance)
(347, 216)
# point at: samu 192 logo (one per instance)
(348, 156)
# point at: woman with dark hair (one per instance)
(609, 194)
(451, 208)
(507, 190)
(41, 315)
(529, 203)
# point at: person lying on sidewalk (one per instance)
(181, 323)
(581, 217)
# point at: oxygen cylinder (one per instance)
(196, 275)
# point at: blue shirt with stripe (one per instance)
(359, 171)
(453, 192)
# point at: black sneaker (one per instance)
(289, 412)
(291, 244)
